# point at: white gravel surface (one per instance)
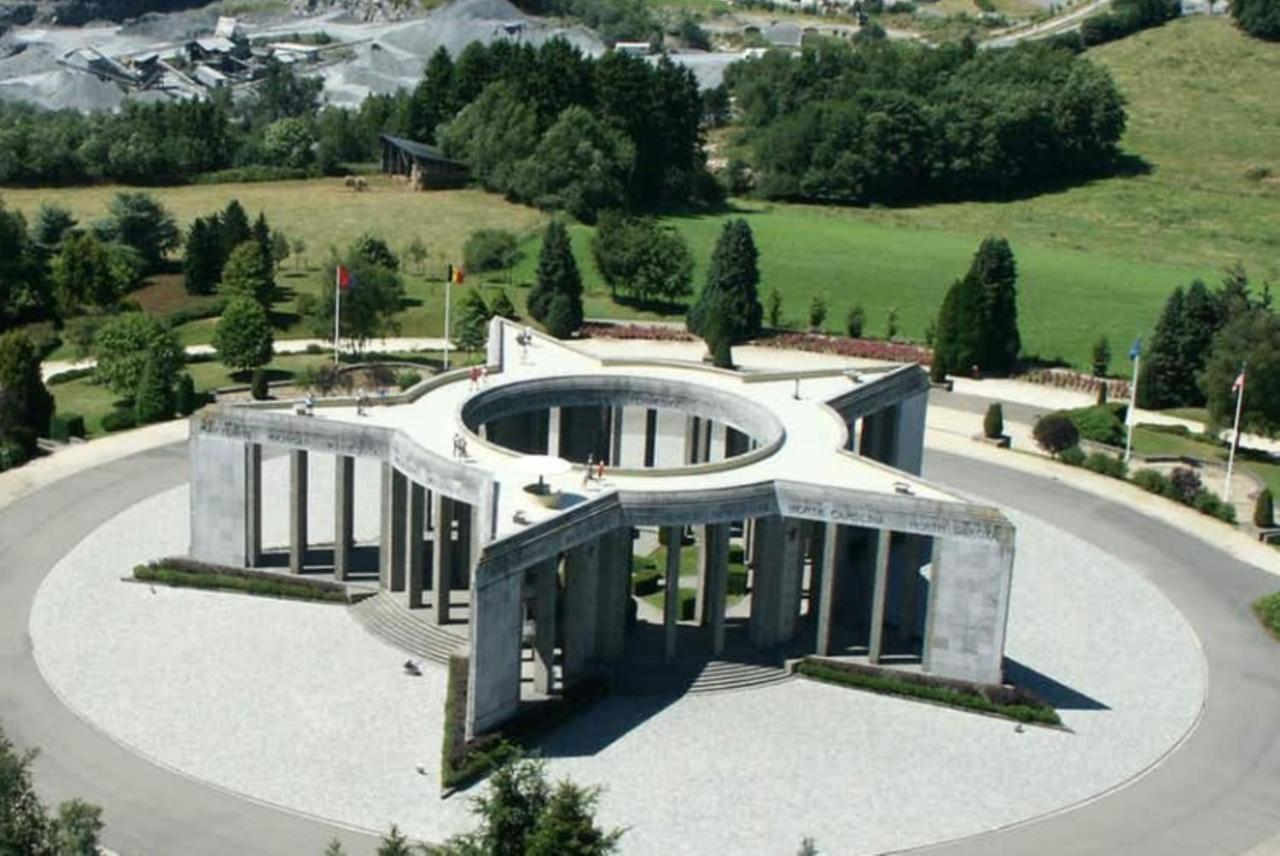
(296, 705)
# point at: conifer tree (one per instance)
(731, 287)
(473, 322)
(996, 274)
(202, 257)
(153, 400)
(557, 276)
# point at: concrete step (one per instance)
(410, 631)
(714, 676)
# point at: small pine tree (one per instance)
(561, 320)
(153, 401)
(773, 308)
(1102, 394)
(993, 422)
(503, 307)
(855, 321)
(557, 274)
(258, 387)
(719, 341)
(938, 368)
(817, 311)
(1263, 510)
(186, 396)
(567, 826)
(1101, 357)
(394, 843)
(202, 256)
(891, 324)
(732, 278)
(334, 848)
(243, 337)
(473, 321)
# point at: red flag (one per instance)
(458, 275)
(345, 279)
(1239, 382)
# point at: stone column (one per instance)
(612, 593)
(968, 608)
(344, 515)
(553, 431)
(253, 502)
(671, 597)
(908, 561)
(220, 499)
(827, 559)
(615, 436)
(442, 551)
(650, 458)
(544, 625)
(878, 593)
(416, 547)
(717, 442)
(391, 550)
(715, 559)
(692, 439)
(581, 584)
(466, 527)
(908, 445)
(775, 597)
(494, 671)
(702, 602)
(297, 510)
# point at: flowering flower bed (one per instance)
(871, 349)
(652, 332)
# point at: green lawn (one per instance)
(655, 563)
(1094, 259)
(94, 401)
(1148, 442)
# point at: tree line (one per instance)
(894, 122)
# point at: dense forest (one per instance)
(889, 122)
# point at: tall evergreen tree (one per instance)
(567, 825)
(731, 287)
(996, 275)
(248, 273)
(1178, 349)
(262, 234)
(557, 275)
(473, 322)
(243, 337)
(234, 226)
(202, 256)
(153, 400)
(958, 339)
(430, 105)
(25, 404)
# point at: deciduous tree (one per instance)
(243, 337)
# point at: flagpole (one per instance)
(1130, 416)
(1235, 434)
(448, 286)
(337, 310)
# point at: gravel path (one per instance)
(295, 705)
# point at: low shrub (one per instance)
(119, 419)
(187, 314)
(1152, 481)
(1184, 485)
(314, 349)
(1055, 433)
(258, 387)
(64, 426)
(1175, 430)
(1100, 423)
(1107, 465)
(68, 376)
(12, 454)
(1268, 612)
(645, 582)
(407, 378)
(993, 422)
(1001, 701)
(185, 399)
(1072, 457)
(1264, 515)
(245, 174)
(190, 574)
(1207, 502)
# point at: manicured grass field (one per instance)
(1095, 259)
(1148, 442)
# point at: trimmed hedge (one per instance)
(1101, 423)
(1009, 702)
(64, 426)
(185, 573)
(68, 376)
(465, 761)
(119, 420)
(1268, 612)
(1202, 500)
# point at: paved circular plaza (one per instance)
(296, 705)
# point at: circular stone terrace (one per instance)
(299, 707)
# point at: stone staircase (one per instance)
(410, 631)
(706, 676)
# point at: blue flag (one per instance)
(1136, 350)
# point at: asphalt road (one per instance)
(1219, 793)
